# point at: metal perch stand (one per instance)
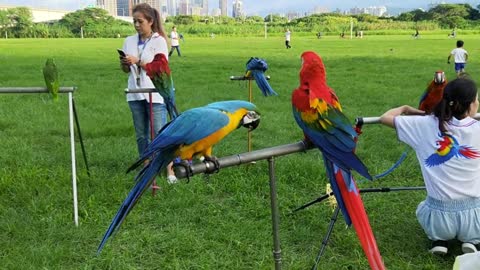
(72, 115)
(269, 154)
(250, 99)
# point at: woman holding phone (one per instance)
(139, 50)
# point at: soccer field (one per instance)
(223, 221)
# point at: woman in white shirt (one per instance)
(447, 146)
(175, 44)
(140, 50)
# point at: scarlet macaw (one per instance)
(434, 92)
(448, 148)
(317, 111)
(50, 74)
(256, 67)
(192, 133)
(161, 76)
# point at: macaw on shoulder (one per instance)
(318, 112)
(161, 76)
(192, 133)
(50, 74)
(434, 92)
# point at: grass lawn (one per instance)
(222, 222)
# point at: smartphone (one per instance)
(121, 53)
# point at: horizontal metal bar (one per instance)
(243, 78)
(209, 167)
(376, 119)
(32, 90)
(140, 90)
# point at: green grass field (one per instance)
(222, 222)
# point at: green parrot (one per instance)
(50, 74)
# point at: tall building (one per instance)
(172, 7)
(237, 9)
(199, 7)
(109, 5)
(183, 7)
(123, 8)
(222, 5)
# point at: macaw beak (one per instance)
(439, 77)
(251, 120)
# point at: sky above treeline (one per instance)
(259, 7)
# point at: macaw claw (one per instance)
(216, 164)
(187, 164)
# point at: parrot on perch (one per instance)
(318, 112)
(161, 76)
(434, 92)
(193, 133)
(256, 68)
(50, 73)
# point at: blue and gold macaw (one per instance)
(318, 112)
(256, 67)
(192, 133)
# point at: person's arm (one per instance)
(466, 57)
(448, 59)
(388, 117)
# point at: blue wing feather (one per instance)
(258, 67)
(339, 151)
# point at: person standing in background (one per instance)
(287, 38)
(174, 40)
(140, 49)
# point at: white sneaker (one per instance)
(468, 248)
(172, 179)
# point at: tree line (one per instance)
(95, 22)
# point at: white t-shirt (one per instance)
(459, 55)
(287, 35)
(156, 44)
(174, 37)
(453, 173)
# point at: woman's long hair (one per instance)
(152, 15)
(457, 97)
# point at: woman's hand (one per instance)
(131, 60)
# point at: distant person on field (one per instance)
(453, 34)
(447, 146)
(175, 41)
(140, 50)
(460, 56)
(417, 34)
(287, 38)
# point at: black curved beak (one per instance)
(251, 120)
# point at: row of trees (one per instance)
(95, 22)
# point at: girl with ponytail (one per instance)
(447, 145)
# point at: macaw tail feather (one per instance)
(358, 216)
(171, 108)
(329, 167)
(144, 180)
(263, 84)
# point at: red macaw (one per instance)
(161, 76)
(317, 110)
(434, 92)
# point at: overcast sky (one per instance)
(258, 7)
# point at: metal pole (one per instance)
(333, 219)
(80, 136)
(31, 90)
(238, 159)
(277, 252)
(152, 136)
(72, 149)
(376, 119)
(249, 132)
